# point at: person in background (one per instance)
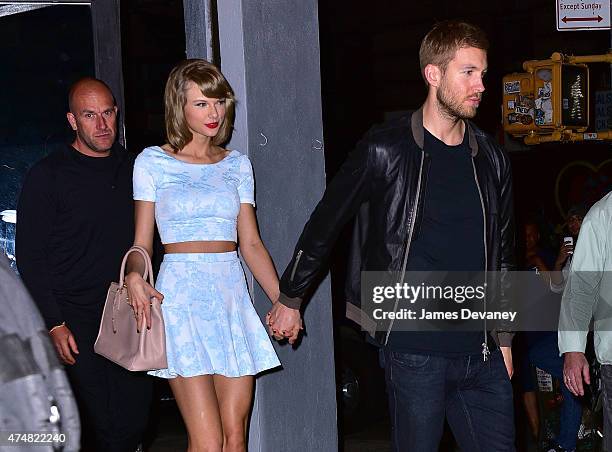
(541, 351)
(587, 298)
(536, 258)
(560, 271)
(75, 221)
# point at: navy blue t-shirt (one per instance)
(450, 238)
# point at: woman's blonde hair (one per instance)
(212, 83)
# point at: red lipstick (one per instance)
(212, 125)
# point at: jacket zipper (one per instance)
(297, 261)
(485, 344)
(408, 239)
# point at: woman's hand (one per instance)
(140, 293)
(564, 252)
(284, 322)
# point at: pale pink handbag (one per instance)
(119, 339)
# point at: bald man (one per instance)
(75, 221)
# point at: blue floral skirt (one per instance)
(211, 324)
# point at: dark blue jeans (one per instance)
(545, 355)
(606, 381)
(475, 396)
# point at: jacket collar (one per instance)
(418, 132)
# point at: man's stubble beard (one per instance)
(91, 145)
(453, 108)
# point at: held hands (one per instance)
(140, 293)
(575, 369)
(64, 343)
(284, 322)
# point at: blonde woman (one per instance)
(201, 196)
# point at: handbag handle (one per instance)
(148, 270)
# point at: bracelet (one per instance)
(57, 326)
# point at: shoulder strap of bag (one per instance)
(148, 270)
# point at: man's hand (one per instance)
(575, 369)
(64, 343)
(507, 354)
(284, 322)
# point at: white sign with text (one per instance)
(574, 15)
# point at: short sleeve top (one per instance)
(194, 201)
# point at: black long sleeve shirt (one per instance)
(450, 239)
(75, 220)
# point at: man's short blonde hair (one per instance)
(445, 38)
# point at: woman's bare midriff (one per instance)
(200, 247)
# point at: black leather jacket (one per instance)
(382, 182)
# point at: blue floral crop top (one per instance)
(194, 201)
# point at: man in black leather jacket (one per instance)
(431, 192)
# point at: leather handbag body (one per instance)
(118, 338)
